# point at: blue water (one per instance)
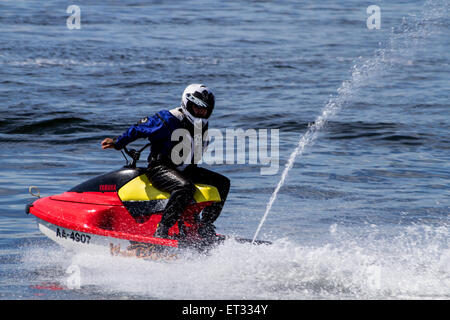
(362, 214)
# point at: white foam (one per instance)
(365, 264)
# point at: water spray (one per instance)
(305, 140)
(399, 45)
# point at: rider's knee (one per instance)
(186, 188)
(225, 184)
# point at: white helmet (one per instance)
(200, 97)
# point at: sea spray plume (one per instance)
(404, 42)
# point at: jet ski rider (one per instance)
(197, 104)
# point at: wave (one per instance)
(53, 125)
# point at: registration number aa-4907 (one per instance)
(73, 235)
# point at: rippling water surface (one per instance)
(364, 211)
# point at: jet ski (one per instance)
(118, 212)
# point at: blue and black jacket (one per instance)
(158, 130)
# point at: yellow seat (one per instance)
(141, 189)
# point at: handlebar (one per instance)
(133, 154)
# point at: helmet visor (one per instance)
(198, 107)
(199, 112)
